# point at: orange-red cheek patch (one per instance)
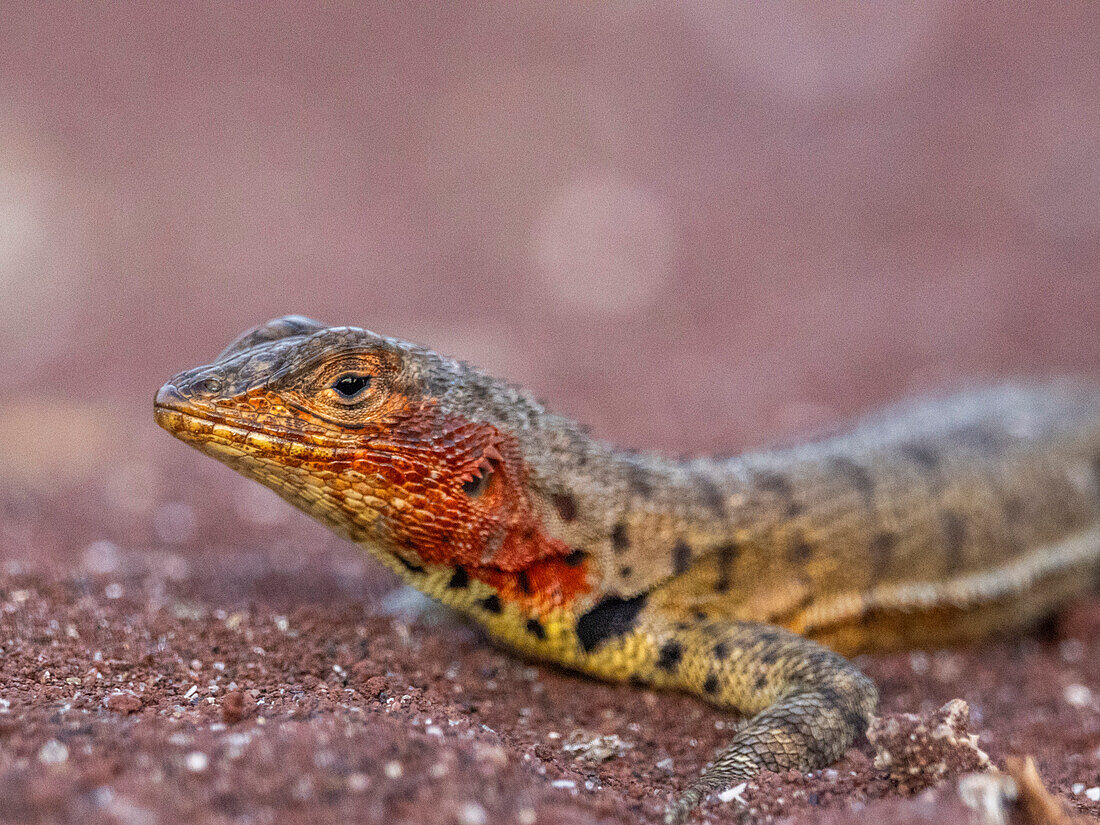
(541, 587)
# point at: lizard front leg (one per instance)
(805, 703)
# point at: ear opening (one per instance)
(482, 482)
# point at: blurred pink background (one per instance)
(694, 224)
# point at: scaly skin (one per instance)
(741, 581)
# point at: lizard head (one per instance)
(398, 448)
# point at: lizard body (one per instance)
(742, 581)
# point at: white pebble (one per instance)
(567, 784)
(1071, 650)
(1093, 794)
(734, 793)
(1077, 787)
(53, 753)
(472, 814)
(919, 662)
(101, 557)
(1078, 695)
(113, 590)
(196, 761)
(358, 782)
(526, 816)
(393, 770)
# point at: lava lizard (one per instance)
(744, 581)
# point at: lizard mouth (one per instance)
(183, 419)
(221, 436)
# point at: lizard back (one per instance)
(930, 523)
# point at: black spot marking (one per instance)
(566, 506)
(611, 618)
(768, 637)
(459, 579)
(726, 555)
(800, 550)
(535, 628)
(770, 656)
(761, 681)
(619, 540)
(711, 684)
(711, 495)
(681, 557)
(831, 696)
(855, 720)
(700, 615)
(953, 526)
(408, 565)
(480, 391)
(882, 550)
(778, 485)
(626, 571)
(981, 438)
(669, 656)
(1014, 507)
(721, 650)
(576, 558)
(639, 479)
(923, 455)
(858, 476)
(491, 603)
(523, 582)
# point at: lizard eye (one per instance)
(351, 385)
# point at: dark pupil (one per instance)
(350, 386)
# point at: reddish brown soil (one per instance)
(233, 670)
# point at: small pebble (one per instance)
(53, 753)
(1078, 695)
(734, 793)
(123, 703)
(1093, 794)
(101, 557)
(438, 770)
(472, 813)
(358, 782)
(196, 761)
(1077, 787)
(1071, 650)
(393, 770)
(567, 784)
(526, 816)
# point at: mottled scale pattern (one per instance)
(743, 581)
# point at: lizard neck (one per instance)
(638, 518)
